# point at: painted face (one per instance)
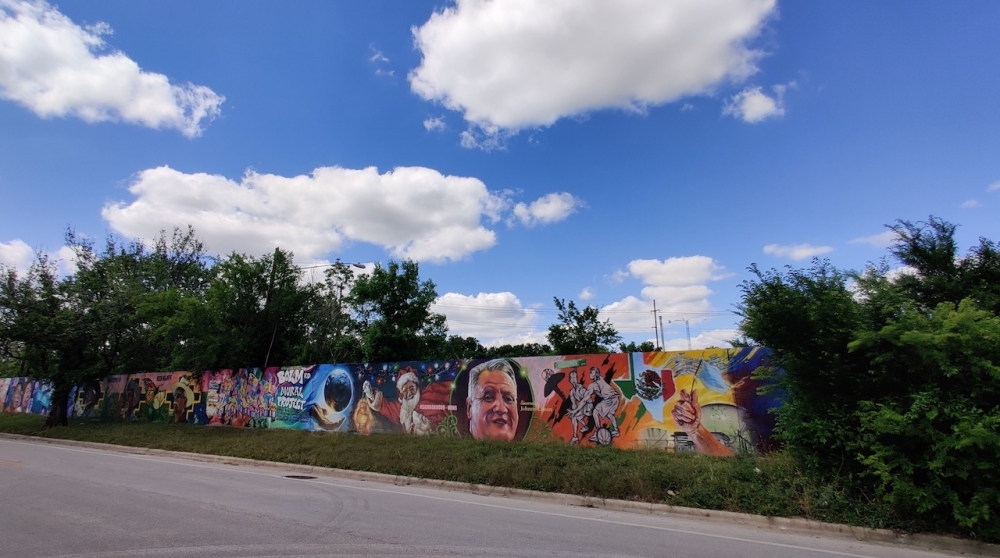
(26, 397)
(492, 407)
(574, 379)
(15, 397)
(409, 391)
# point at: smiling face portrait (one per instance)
(492, 405)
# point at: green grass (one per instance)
(770, 486)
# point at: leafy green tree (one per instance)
(37, 332)
(521, 350)
(580, 331)
(332, 333)
(631, 347)
(891, 382)
(940, 273)
(458, 347)
(392, 306)
(101, 320)
(254, 314)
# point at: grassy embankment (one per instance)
(770, 486)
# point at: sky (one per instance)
(612, 153)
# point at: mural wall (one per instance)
(702, 401)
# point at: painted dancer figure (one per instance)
(581, 406)
(605, 398)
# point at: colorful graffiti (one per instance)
(704, 401)
(244, 397)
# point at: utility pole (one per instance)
(656, 333)
(687, 328)
(663, 334)
(267, 304)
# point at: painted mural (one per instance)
(692, 401)
(244, 397)
(25, 395)
(162, 397)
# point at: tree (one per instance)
(392, 307)
(332, 332)
(38, 333)
(580, 331)
(254, 314)
(891, 382)
(102, 319)
(631, 347)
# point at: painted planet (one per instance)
(339, 390)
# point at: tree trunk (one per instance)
(57, 411)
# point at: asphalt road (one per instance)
(60, 500)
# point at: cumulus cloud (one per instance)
(57, 68)
(434, 124)
(17, 255)
(488, 317)
(413, 212)
(586, 294)
(970, 204)
(550, 208)
(753, 105)
(513, 64)
(880, 240)
(678, 285)
(796, 251)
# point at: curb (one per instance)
(795, 525)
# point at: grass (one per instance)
(770, 486)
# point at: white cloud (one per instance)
(896, 273)
(16, 254)
(486, 139)
(619, 276)
(487, 316)
(678, 285)
(377, 56)
(413, 212)
(880, 240)
(513, 64)
(995, 187)
(752, 105)
(540, 337)
(970, 204)
(550, 208)
(55, 67)
(586, 294)
(434, 124)
(796, 251)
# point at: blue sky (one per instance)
(611, 153)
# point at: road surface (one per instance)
(60, 500)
